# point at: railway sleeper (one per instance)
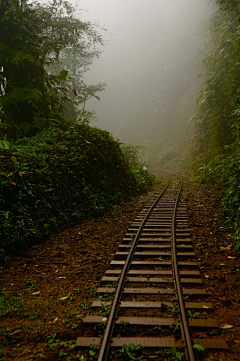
(156, 225)
(158, 235)
(150, 272)
(152, 280)
(155, 229)
(155, 291)
(161, 218)
(156, 246)
(135, 304)
(117, 263)
(154, 254)
(130, 232)
(157, 240)
(153, 321)
(151, 342)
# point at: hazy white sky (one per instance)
(147, 63)
(120, 16)
(134, 25)
(141, 35)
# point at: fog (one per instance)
(150, 66)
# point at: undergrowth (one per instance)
(60, 176)
(223, 173)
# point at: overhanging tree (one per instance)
(32, 39)
(78, 47)
(218, 101)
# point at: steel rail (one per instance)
(104, 351)
(186, 335)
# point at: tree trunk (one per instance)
(24, 4)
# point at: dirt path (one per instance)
(46, 292)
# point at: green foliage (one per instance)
(66, 171)
(82, 358)
(77, 48)
(231, 194)
(218, 102)
(16, 224)
(4, 144)
(31, 41)
(199, 348)
(176, 330)
(218, 108)
(144, 178)
(60, 347)
(192, 314)
(224, 172)
(22, 52)
(9, 305)
(232, 5)
(100, 329)
(174, 309)
(104, 310)
(173, 353)
(93, 352)
(131, 352)
(58, 177)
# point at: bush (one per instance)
(59, 177)
(224, 172)
(144, 178)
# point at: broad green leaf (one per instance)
(199, 347)
(62, 75)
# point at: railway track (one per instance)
(153, 288)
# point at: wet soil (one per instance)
(47, 291)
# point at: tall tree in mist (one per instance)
(32, 39)
(229, 5)
(218, 105)
(217, 155)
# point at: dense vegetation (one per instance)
(38, 77)
(61, 176)
(54, 171)
(217, 158)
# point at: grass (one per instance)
(41, 320)
(10, 305)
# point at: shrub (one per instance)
(58, 177)
(224, 172)
(144, 178)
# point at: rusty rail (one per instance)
(103, 354)
(152, 224)
(186, 335)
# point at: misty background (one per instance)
(150, 65)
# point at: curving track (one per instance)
(155, 264)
